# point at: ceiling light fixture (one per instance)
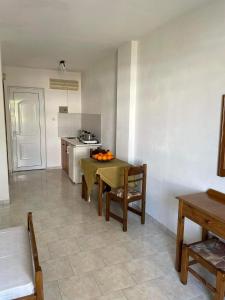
(62, 65)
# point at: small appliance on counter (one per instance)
(87, 137)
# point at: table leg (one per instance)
(180, 236)
(84, 194)
(100, 191)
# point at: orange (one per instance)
(109, 153)
(104, 157)
(99, 157)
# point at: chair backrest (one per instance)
(134, 175)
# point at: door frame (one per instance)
(11, 128)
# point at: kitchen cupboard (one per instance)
(64, 155)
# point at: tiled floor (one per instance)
(82, 256)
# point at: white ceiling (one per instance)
(39, 33)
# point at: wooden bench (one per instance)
(21, 274)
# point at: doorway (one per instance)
(27, 114)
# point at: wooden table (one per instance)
(207, 210)
(108, 173)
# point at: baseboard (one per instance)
(163, 227)
(54, 168)
(160, 225)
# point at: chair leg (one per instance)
(107, 207)
(143, 211)
(125, 209)
(184, 265)
(220, 286)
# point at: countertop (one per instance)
(75, 142)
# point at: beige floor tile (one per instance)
(115, 254)
(165, 260)
(175, 290)
(86, 261)
(62, 212)
(114, 296)
(43, 252)
(57, 269)
(74, 288)
(40, 215)
(143, 269)
(63, 247)
(91, 242)
(113, 278)
(67, 231)
(146, 291)
(78, 248)
(81, 229)
(139, 248)
(114, 236)
(161, 241)
(46, 236)
(51, 291)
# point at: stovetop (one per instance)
(94, 141)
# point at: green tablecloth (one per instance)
(111, 172)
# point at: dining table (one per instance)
(105, 173)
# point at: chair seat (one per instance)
(132, 192)
(213, 251)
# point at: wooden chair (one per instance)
(211, 255)
(128, 194)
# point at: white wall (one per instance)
(126, 100)
(27, 77)
(123, 101)
(4, 186)
(181, 78)
(99, 96)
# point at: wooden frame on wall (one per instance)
(221, 160)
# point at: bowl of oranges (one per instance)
(102, 155)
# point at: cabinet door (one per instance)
(81, 152)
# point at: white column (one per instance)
(126, 100)
(4, 185)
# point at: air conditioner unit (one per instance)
(62, 84)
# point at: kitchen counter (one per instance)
(72, 151)
(75, 142)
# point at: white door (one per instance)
(28, 128)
